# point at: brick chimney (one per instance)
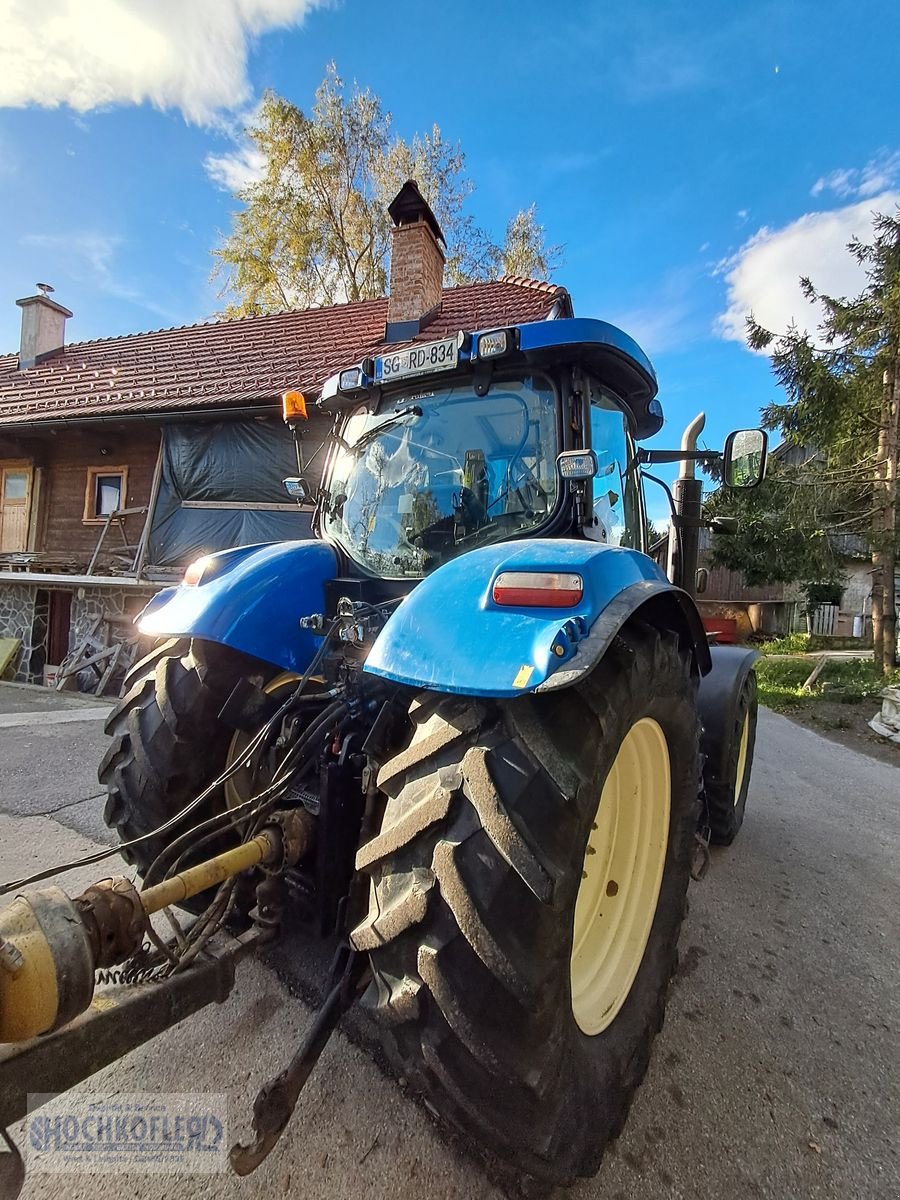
(417, 264)
(43, 328)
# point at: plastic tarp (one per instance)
(234, 463)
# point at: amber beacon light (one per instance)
(293, 405)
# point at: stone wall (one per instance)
(25, 612)
(88, 603)
(17, 620)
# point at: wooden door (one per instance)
(58, 626)
(15, 505)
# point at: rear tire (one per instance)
(725, 789)
(475, 875)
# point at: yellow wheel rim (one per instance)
(240, 786)
(621, 878)
(742, 759)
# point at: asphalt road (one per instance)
(777, 1073)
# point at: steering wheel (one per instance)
(466, 504)
(472, 509)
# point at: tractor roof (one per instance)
(616, 359)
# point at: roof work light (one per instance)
(495, 343)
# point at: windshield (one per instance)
(433, 474)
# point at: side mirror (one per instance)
(744, 458)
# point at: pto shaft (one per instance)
(264, 848)
(51, 945)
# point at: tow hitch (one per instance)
(278, 1098)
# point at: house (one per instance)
(735, 610)
(779, 608)
(123, 459)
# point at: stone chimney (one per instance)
(417, 264)
(43, 328)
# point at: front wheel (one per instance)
(528, 887)
(169, 743)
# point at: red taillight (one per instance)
(537, 589)
(194, 573)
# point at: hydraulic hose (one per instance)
(218, 822)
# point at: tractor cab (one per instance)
(442, 447)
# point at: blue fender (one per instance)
(449, 635)
(251, 599)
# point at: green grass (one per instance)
(792, 643)
(848, 681)
(780, 681)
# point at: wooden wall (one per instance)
(725, 584)
(64, 456)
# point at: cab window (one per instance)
(616, 503)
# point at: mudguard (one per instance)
(720, 691)
(449, 635)
(251, 599)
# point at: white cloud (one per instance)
(840, 182)
(878, 175)
(236, 169)
(672, 321)
(184, 54)
(569, 162)
(92, 250)
(663, 69)
(656, 329)
(763, 278)
(91, 257)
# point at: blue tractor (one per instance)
(501, 718)
(471, 733)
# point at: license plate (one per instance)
(417, 360)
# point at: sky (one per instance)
(694, 160)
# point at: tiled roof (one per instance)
(247, 361)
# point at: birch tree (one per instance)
(314, 228)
